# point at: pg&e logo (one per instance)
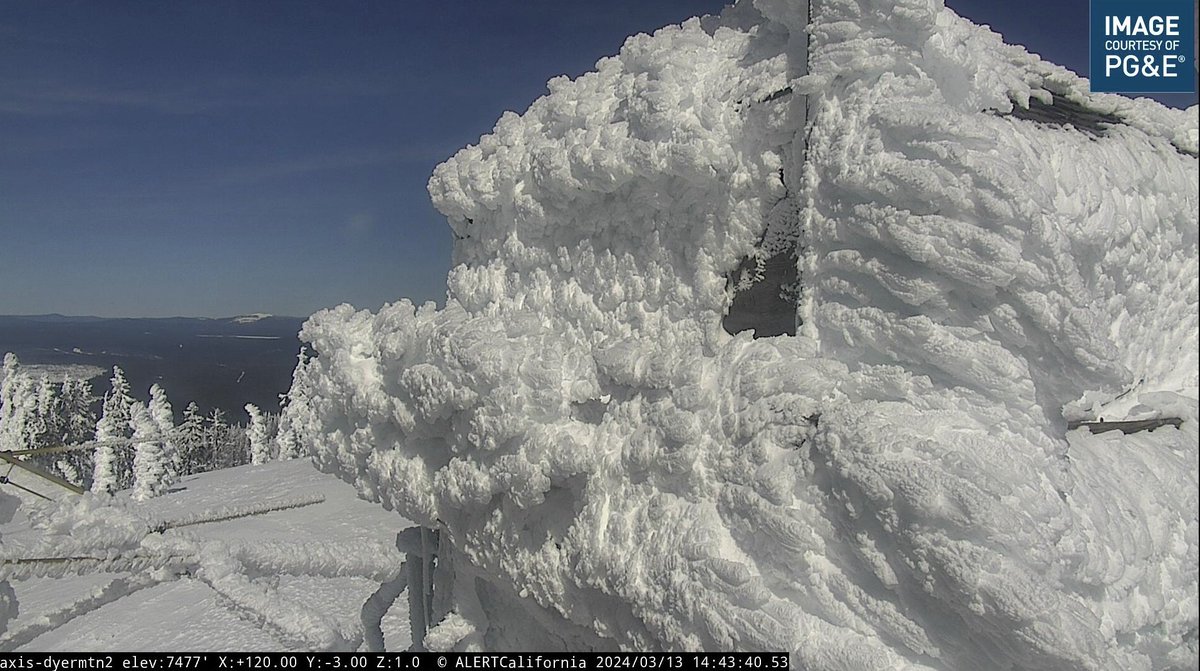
(1143, 46)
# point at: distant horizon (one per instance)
(221, 362)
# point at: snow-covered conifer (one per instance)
(216, 439)
(110, 472)
(297, 413)
(76, 424)
(164, 419)
(104, 475)
(8, 376)
(11, 365)
(189, 441)
(286, 445)
(258, 435)
(50, 426)
(18, 407)
(79, 421)
(150, 467)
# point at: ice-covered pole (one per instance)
(377, 605)
(420, 545)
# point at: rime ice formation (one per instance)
(984, 250)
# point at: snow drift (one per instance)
(980, 250)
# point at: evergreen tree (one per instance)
(216, 438)
(8, 377)
(235, 451)
(150, 468)
(45, 427)
(79, 421)
(286, 445)
(112, 467)
(50, 427)
(18, 407)
(189, 439)
(297, 412)
(164, 419)
(78, 425)
(8, 372)
(259, 436)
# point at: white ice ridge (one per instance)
(893, 487)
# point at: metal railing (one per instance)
(14, 459)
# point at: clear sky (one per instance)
(221, 157)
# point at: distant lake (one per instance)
(218, 363)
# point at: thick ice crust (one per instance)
(892, 488)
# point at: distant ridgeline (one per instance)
(217, 363)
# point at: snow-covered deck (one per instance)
(270, 557)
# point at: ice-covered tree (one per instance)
(216, 434)
(217, 439)
(296, 412)
(286, 445)
(79, 420)
(164, 419)
(111, 471)
(151, 472)
(259, 435)
(18, 407)
(77, 424)
(189, 441)
(235, 451)
(11, 366)
(50, 426)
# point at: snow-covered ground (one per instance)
(270, 557)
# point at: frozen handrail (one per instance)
(45, 475)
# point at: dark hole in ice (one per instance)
(1062, 112)
(765, 305)
(590, 411)
(1130, 426)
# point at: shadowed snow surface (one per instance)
(270, 578)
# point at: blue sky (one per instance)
(214, 158)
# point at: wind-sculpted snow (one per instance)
(895, 486)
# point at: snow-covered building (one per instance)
(961, 253)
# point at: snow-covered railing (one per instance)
(11, 458)
(234, 512)
(94, 536)
(23, 568)
(115, 589)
